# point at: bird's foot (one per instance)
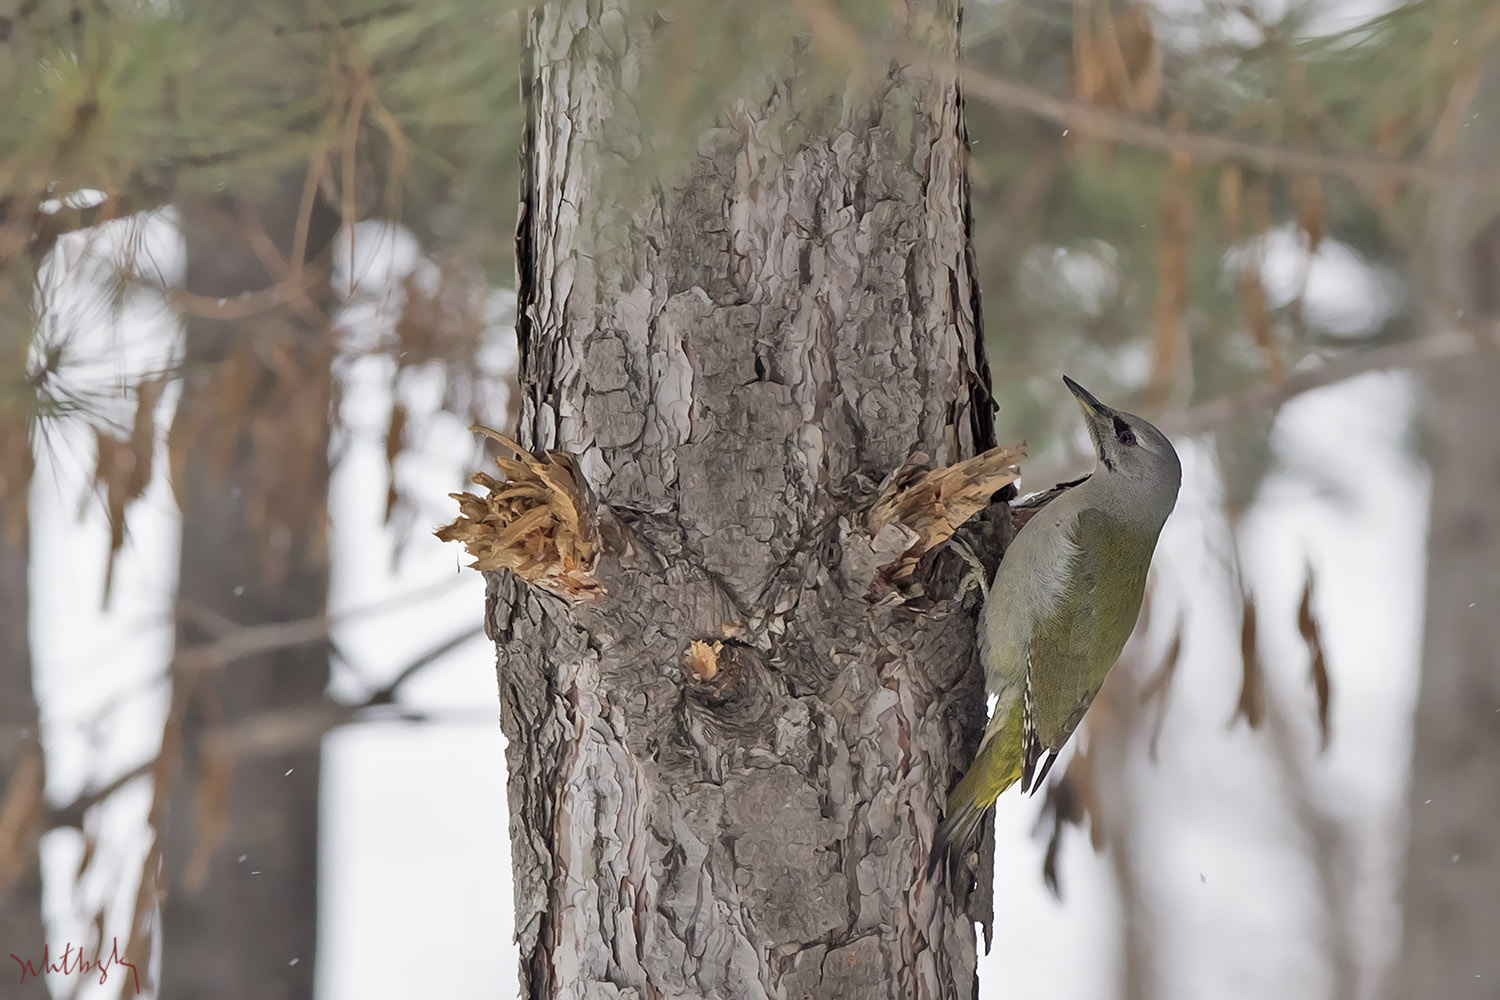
(975, 576)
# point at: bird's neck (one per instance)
(1133, 504)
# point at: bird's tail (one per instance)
(996, 768)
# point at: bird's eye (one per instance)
(1124, 434)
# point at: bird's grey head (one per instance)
(1131, 451)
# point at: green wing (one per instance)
(1073, 647)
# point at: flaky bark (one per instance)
(737, 361)
(249, 465)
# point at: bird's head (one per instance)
(1129, 448)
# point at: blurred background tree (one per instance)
(1212, 212)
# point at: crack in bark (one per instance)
(736, 357)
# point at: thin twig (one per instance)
(1265, 397)
(302, 726)
(1204, 147)
(388, 692)
(292, 726)
(49, 227)
(73, 813)
(215, 624)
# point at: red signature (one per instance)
(72, 961)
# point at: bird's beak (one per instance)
(1092, 408)
(1096, 416)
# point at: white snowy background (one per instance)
(414, 854)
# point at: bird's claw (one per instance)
(976, 575)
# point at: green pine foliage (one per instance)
(1123, 254)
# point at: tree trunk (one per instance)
(21, 763)
(22, 766)
(1452, 892)
(1451, 896)
(249, 451)
(737, 361)
(1451, 902)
